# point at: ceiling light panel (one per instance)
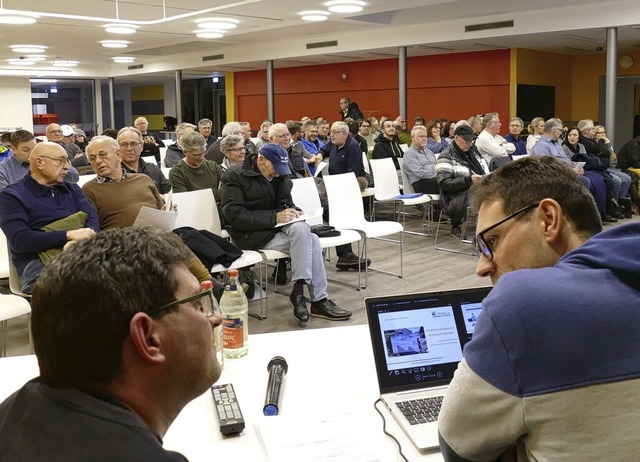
(114, 43)
(345, 6)
(314, 15)
(217, 23)
(120, 28)
(27, 49)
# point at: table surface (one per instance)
(331, 376)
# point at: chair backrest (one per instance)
(305, 195)
(197, 209)
(165, 171)
(149, 159)
(406, 185)
(85, 179)
(365, 163)
(15, 285)
(4, 257)
(385, 178)
(163, 154)
(345, 200)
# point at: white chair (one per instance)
(385, 177)
(368, 192)
(198, 209)
(163, 154)
(12, 306)
(149, 159)
(407, 188)
(84, 179)
(4, 257)
(346, 212)
(305, 195)
(15, 285)
(165, 171)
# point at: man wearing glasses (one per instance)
(120, 352)
(40, 213)
(552, 370)
(131, 141)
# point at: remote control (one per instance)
(228, 409)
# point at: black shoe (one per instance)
(606, 218)
(616, 214)
(350, 261)
(299, 305)
(327, 309)
(456, 231)
(282, 272)
(626, 203)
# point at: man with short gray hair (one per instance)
(489, 143)
(205, 126)
(174, 152)
(131, 141)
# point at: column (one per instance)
(271, 110)
(402, 81)
(610, 83)
(179, 96)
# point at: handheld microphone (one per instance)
(277, 368)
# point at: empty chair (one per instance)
(305, 195)
(198, 210)
(347, 212)
(387, 190)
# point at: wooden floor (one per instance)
(425, 269)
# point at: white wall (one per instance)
(15, 99)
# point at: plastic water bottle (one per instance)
(217, 331)
(235, 317)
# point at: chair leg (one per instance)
(3, 330)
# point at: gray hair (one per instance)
(140, 120)
(181, 129)
(342, 126)
(585, 124)
(230, 141)
(231, 128)
(418, 128)
(192, 141)
(517, 119)
(130, 129)
(276, 127)
(101, 138)
(204, 122)
(552, 123)
(488, 118)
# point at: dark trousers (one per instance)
(426, 186)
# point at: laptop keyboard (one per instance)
(419, 411)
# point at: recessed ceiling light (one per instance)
(65, 63)
(28, 49)
(577, 37)
(345, 6)
(114, 43)
(123, 59)
(43, 80)
(120, 28)
(314, 15)
(217, 23)
(209, 33)
(36, 58)
(10, 17)
(20, 62)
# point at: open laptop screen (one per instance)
(418, 339)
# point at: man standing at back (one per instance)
(552, 371)
(112, 380)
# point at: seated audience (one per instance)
(310, 139)
(39, 214)
(323, 130)
(230, 128)
(475, 122)
(419, 121)
(110, 317)
(56, 134)
(550, 373)
(279, 134)
(17, 166)
(152, 141)
(516, 126)
(131, 141)
(535, 129)
(248, 144)
(255, 197)
(349, 109)
(489, 143)
(365, 132)
(610, 160)
(263, 134)
(5, 146)
(195, 172)
(353, 132)
(457, 168)
(448, 130)
(296, 146)
(204, 128)
(435, 143)
(629, 163)
(387, 146)
(80, 139)
(234, 151)
(174, 151)
(420, 163)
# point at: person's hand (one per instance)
(318, 159)
(287, 215)
(68, 245)
(475, 179)
(79, 234)
(80, 154)
(579, 171)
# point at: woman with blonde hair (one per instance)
(535, 129)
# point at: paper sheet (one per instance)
(305, 216)
(158, 218)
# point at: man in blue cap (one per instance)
(255, 198)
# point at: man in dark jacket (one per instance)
(256, 202)
(387, 145)
(349, 109)
(456, 170)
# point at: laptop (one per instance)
(417, 342)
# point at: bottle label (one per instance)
(232, 333)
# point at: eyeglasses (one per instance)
(337, 132)
(479, 242)
(60, 162)
(55, 132)
(204, 303)
(133, 144)
(601, 133)
(240, 149)
(283, 136)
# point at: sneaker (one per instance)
(456, 232)
(299, 305)
(328, 309)
(350, 261)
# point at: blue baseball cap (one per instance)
(278, 157)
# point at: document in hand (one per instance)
(160, 219)
(305, 216)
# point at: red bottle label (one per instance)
(232, 333)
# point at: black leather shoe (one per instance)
(299, 305)
(606, 218)
(456, 231)
(350, 261)
(327, 309)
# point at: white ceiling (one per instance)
(273, 30)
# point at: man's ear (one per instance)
(552, 217)
(146, 338)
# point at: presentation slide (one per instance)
(420, 337)
(471, 312)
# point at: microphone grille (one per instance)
(278, 361)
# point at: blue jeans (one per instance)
(30, 275)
